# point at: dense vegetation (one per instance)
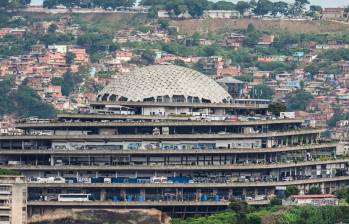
(260, 7)
(13, 4)
(106, 4)
(261, 91)
(276, 215)
(23, 101)
(298, 100)
(338, 115)
(4, 172)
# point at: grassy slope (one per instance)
(191, 26)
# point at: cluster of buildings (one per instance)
(168, 137)
(338, 13)
(40, 66)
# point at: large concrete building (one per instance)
(13, 200)
(170, 138)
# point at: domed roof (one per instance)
(164, 83)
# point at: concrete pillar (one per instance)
(230, 193)
(244, 191)
(322, 187)
(142, 193)
(198, 194)
(301, 189)
(103, 195)
(123, 193)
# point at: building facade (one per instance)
(13, 200)
(189, 154)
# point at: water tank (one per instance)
(216, 197)
(204, 197)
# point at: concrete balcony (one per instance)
(50, 151)
(155, 124)
(150, 137)
(188, 185)
(124, 204)
(174, 167)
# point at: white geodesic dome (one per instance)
(164, 83)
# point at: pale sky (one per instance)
(323, 3)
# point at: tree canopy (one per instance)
(69, 58)
(13, 4)
(263, 7)
(28, 103)
(260, 7)
(261, 91)
(106, 4)
(298, 100)
(277, 107)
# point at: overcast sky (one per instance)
(324, 3)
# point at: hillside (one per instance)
(204, 25)
(111, 22)
(276, 215)
(102, 22)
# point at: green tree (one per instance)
(291, 190)
(315, 11)
(298, 7)
(275, 201)
(279, 8)
(164, 23)
(261, 91)
(263, 7)
(69, 58)
(50, 4)
(68, 84)
(196, 7)
(314, 190)
(346, 11)
(242, 7)
(6, 172)
(57, 81)
(254, 219)
(338, 115)
(298, 100)
(301, 84)
(52, 28)
(95, 42)
(149, 56)
(28, 103)
(153, 13)
(244, 78)
(251, 37)
(6, 104)
(180, 9)
(224, 5)
(277, 107)
(241, 208)
(343, 194)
